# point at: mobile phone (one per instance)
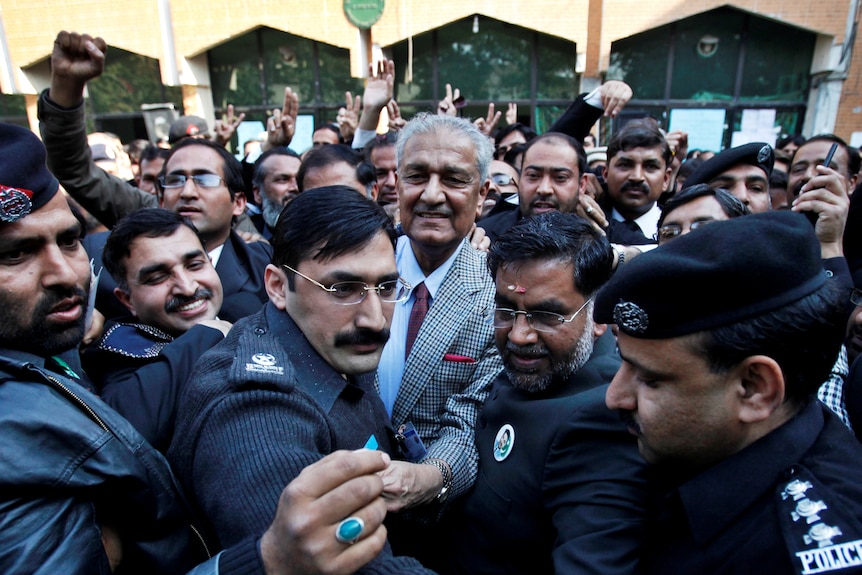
(812, 216)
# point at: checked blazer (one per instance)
(442, 397)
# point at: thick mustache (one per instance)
(438, 210)
(526, 351)
(640, 187)
(362, 337)
(177, 302)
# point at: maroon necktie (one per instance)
(417, 316)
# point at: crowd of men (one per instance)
(456, 347)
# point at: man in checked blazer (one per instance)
(439, 386)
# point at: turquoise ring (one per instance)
(349, 530)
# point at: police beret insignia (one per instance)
(758, 154)
(14, 203)
(630, 317)
(26, 184)
(729, 271)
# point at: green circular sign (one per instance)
(363, 13)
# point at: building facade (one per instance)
(726, 73)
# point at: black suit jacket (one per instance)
(578, 119)
(568, 496)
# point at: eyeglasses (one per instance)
(671, 231)
(352, 293)
(856, 296)
(503, 180)
(545, 321)
(200, 180)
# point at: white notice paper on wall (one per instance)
(704, 126)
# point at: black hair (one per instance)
(327, 155)
(557, 236)
(526, 131)
(778, 180)
(147, 222)
(513, 153)
(804, 338)
(559, 137)
(379, 141)
(797, 139)
(640, 133)
(136, 148)
(689, 166)
(332, 128)
(324, 223)
(259, 173)
(152, 152)
(231, 166)
(730, 204)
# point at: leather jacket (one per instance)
(70, 465)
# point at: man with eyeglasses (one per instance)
(84, 492)
(295, 381)
(695, 206)
(502, 189)
(560, 486)
(201, 180)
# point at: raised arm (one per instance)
(76, 59)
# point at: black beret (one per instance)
(758, 154)
(25, 182)
(716, 275)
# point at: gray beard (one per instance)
(270, 210)
(560, 370)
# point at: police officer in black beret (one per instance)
(751, 473)
(743, 171)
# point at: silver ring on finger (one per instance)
(350, 530)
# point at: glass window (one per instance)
(641, 62)
(706, 56)
(489, 61)
(234, 72)
(288, 61)
(13, 109)
(335, 76)
(128, 81)
(546, 116)
(419, 86)
(556, 74)
(777, 62)
(489, 57)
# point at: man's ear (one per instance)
(483, 193)
(275, 281)
(667, 178)
(599, 329)
(239, 201)
(761, 388)
(125, 299)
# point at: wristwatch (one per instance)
(446, 472)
